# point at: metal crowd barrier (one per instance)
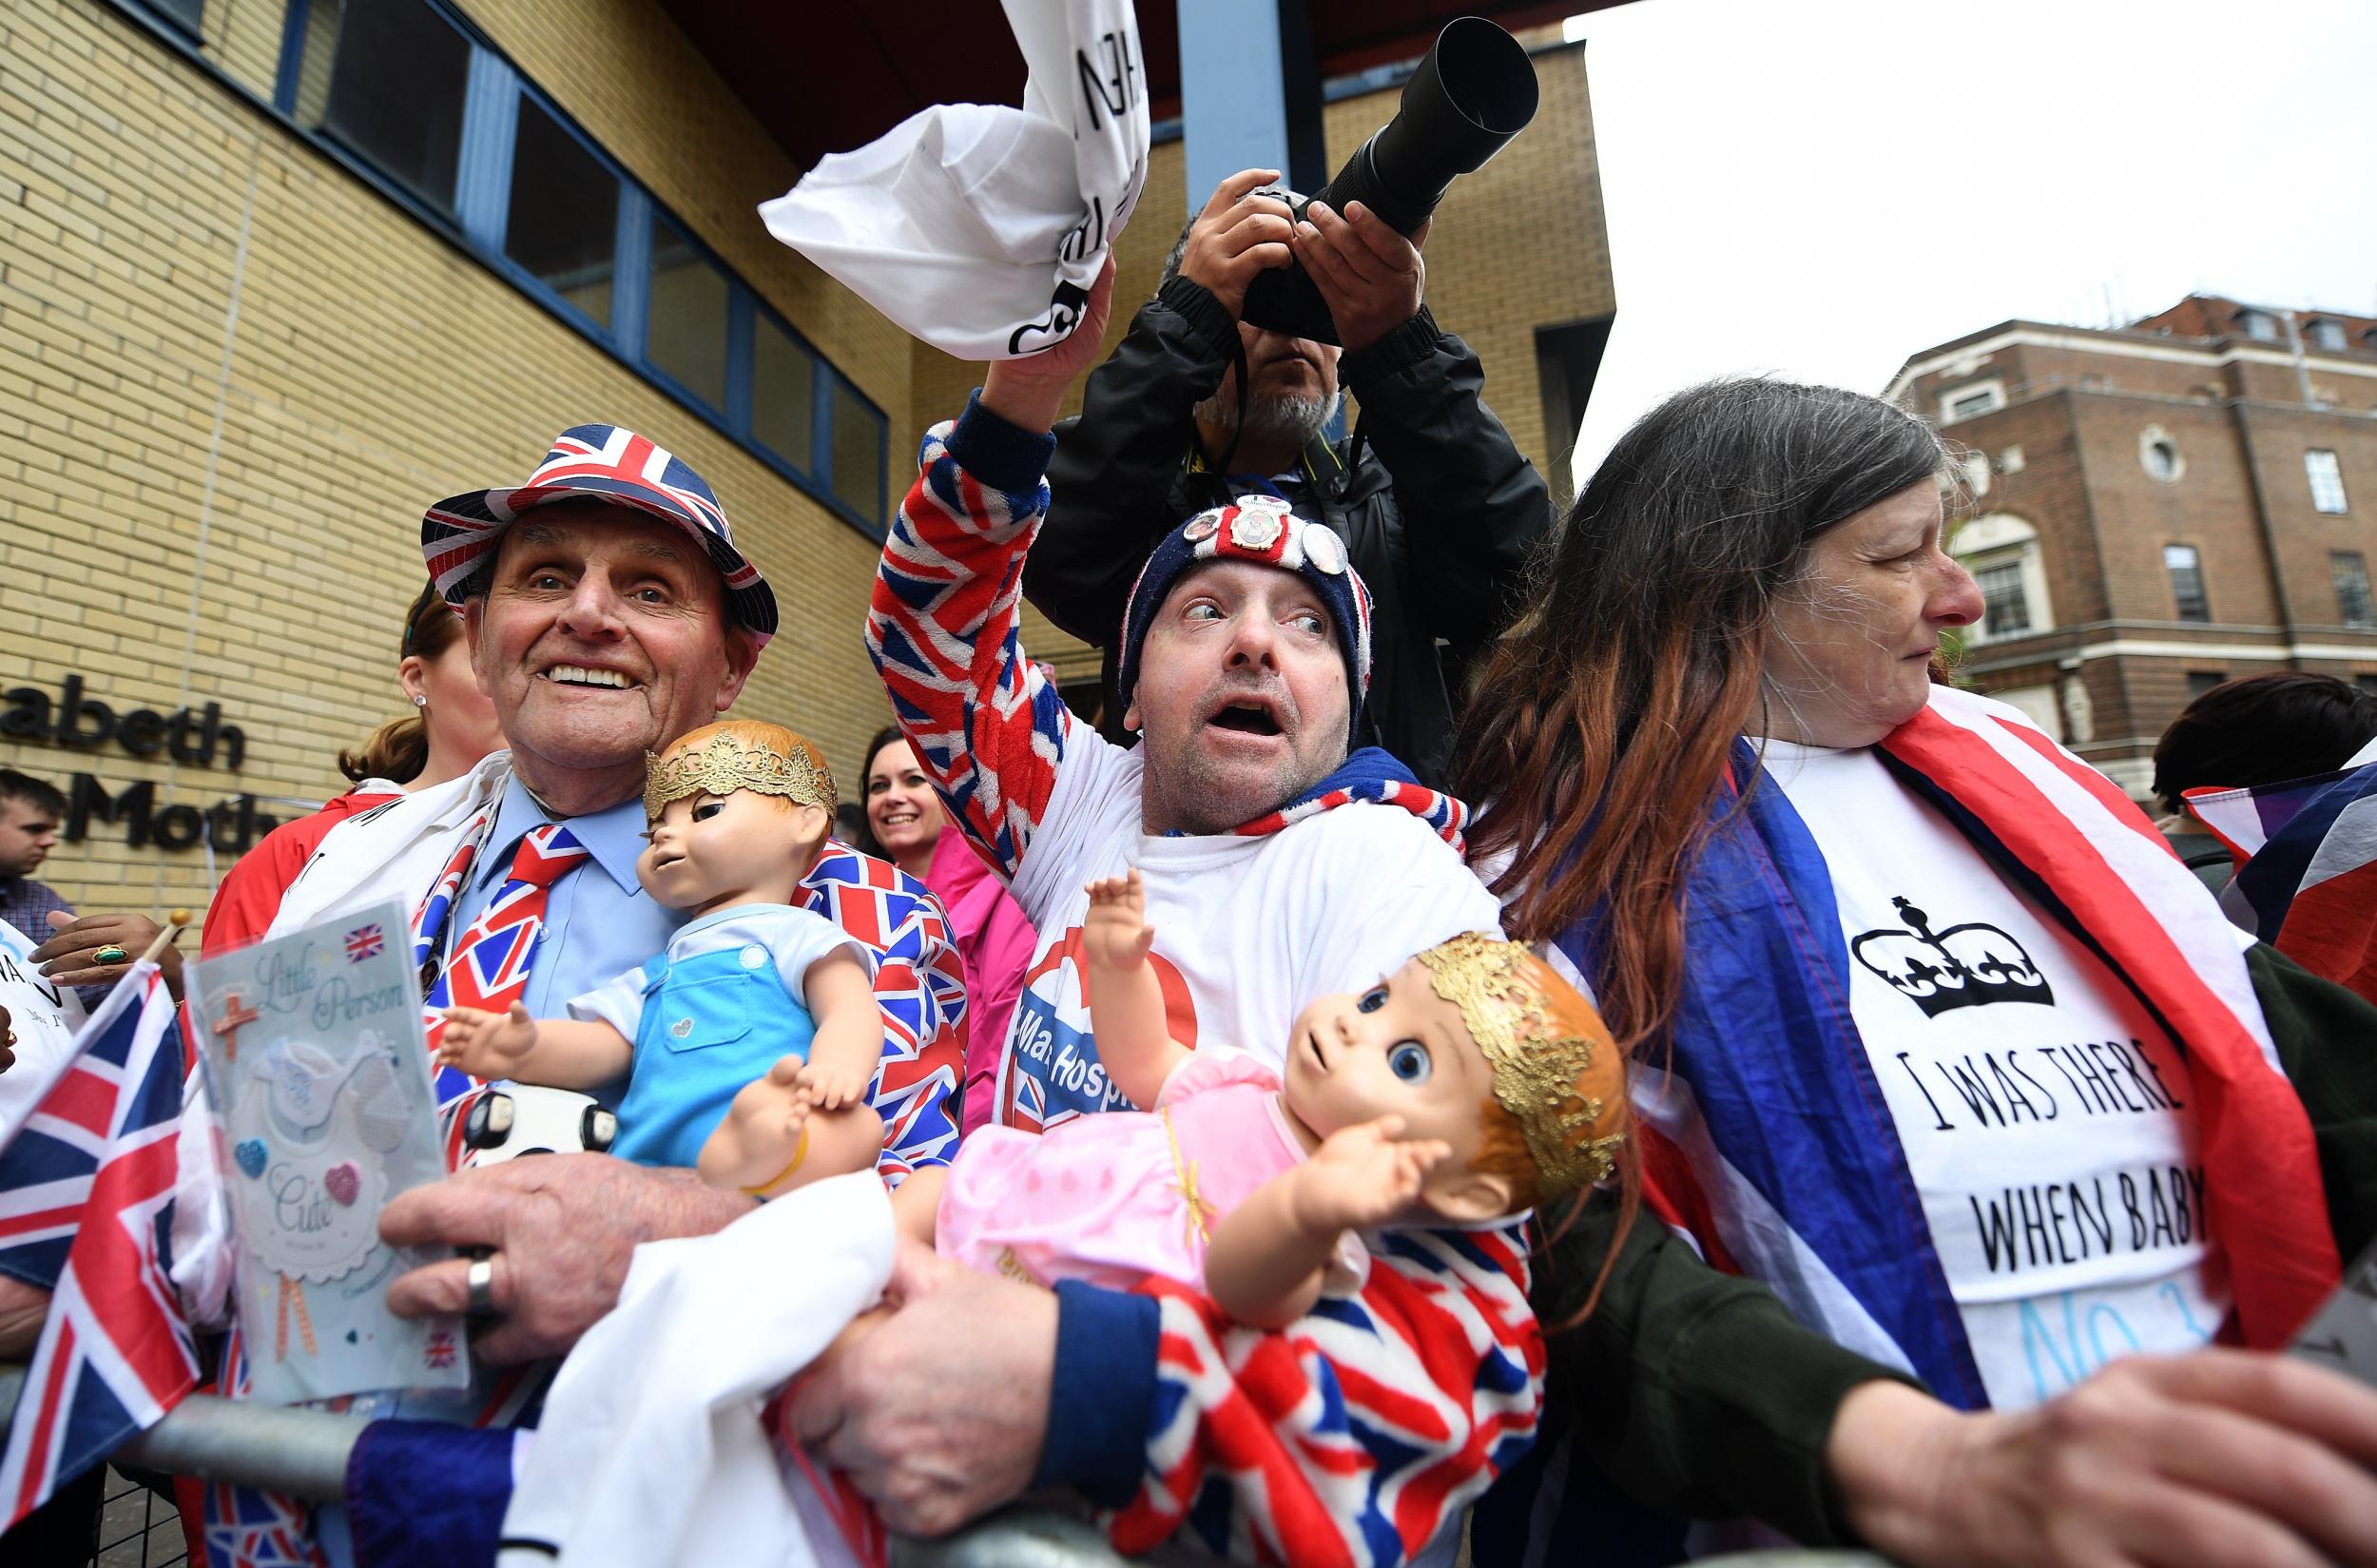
(303, 1454)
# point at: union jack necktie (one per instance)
(488, 967)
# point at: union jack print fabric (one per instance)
(95, 1164)
(616, 465)
(249, 1529)
(488, 967)
(920, 987)
(1359, 1434)
(364, 942)
(2310, 888)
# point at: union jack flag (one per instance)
(250, 1529)
(364, 942)
(2310, 888)
(92, 1170)
(919, 986)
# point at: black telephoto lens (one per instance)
(1474, 91)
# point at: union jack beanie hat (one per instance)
(609, 463)
(1262, 528)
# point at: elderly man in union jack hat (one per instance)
(609, 611)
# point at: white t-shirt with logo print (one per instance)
(1248, 930)
(2047, 1118)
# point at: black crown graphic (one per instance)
(1970, 965)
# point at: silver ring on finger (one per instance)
(479, 1284)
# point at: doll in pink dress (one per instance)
(1472, 1083)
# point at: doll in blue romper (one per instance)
(751, 991)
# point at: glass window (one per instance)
(858, 454)
(2258, 324)
(1999, 578)
(2326, 481)
(685, 332)
(564, 222)
(2187, 582)
(2327, 334)
(2201, 681)
(187, 13)
(2353, 604)
(393, 92)
(1963, 405)
(783, 394)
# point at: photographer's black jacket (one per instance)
(1439, 511)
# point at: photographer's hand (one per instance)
(1238, 235)
(1370, 276)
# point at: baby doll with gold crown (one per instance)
(752, 994)
(1471, 1084)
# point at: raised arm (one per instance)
(984, 724)
(1270, 1255)
(1472, 506)
(1134, 1037)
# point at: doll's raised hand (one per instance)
(487, 1045)
(1361, 1176)
(1116, 932)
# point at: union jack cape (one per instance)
(1820, 1204)
(2307, 872)
(1357, 1436)
(87, 1183)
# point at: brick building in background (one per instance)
(274, 274)
(2160, 507)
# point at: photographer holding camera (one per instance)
(1437, 506)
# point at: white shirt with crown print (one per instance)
(2046, 1117)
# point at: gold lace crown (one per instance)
(1556, 1068)
(716, 761)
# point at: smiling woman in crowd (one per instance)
(1932, 1034)
(904, 824)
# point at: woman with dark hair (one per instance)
(452, 726)
(904, 824)
(1931, 1035)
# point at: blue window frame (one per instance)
(468, 147)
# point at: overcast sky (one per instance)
(1821, 188)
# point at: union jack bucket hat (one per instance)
(609, 463)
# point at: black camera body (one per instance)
(1474, 91)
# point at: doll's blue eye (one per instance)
(1372, 999)
(707, 809)
(1410, 1062)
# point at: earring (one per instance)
(420, 702)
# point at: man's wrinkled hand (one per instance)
(563, 1227)
(939, 1411)
(1370, 276)
(2221, 1458)
(1238, 235)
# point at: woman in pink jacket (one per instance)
(904, 824)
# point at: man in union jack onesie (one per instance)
(1280, 866)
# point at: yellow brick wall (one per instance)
(1518, 244)
(232, 374)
